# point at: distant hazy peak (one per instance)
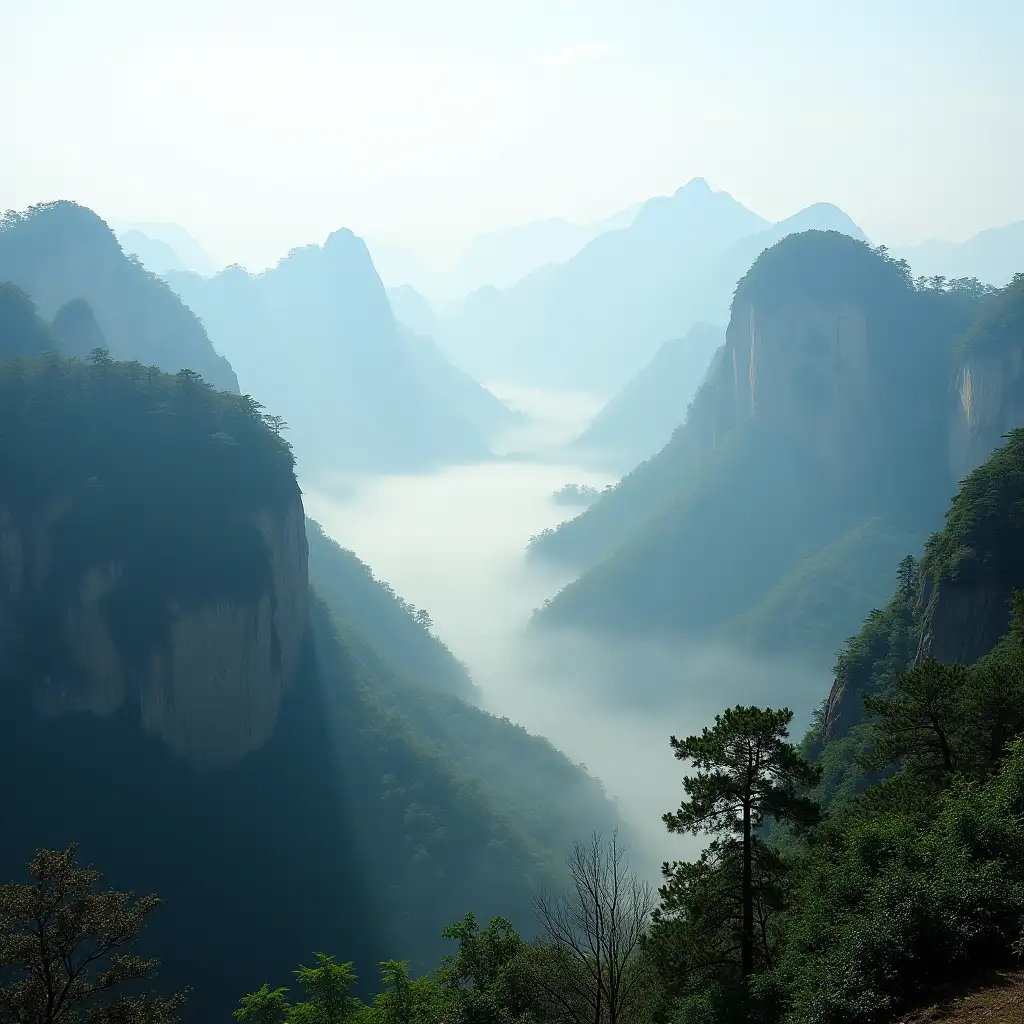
(696, 197)
(823, 216)
(345, 237)
(695, 186)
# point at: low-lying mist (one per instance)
(453, 542)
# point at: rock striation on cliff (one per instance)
(210, 686)
(187, 609)
(811, 451)
(989, 381)
(955, 604)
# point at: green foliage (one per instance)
(23, 333)
(326, 985)
(868, 663)
(984, 530)
(79, 442)
(487, 979)
(810, 609)
(393, 626)
(886, 908)
(264, 1006)
(435, 836)
(406, 1000)
(999, 325)
(744, 772)
(742, 524)
(61, 252)
(483, 982)
(918, 721)
(66, 949)
(823, 266)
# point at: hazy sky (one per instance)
(261, 124)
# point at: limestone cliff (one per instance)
(153, 557)
(211, 688)
(963, 622)
(989, 381)
(805, 370)
(827, 411)
(990, 401)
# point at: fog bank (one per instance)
(453, 542)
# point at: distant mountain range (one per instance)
(597, 319)
(155, 256)
(163, 247)
(992, 256)
(497, 258)
(639, 420)
(61, 253)
(315, 340)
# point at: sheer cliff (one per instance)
(822, 415)
(192, 609)
(953, 605)
(989, 371)
(173, 699)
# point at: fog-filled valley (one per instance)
(511, 521)
(453, 542)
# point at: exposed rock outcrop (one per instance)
(963, 622)
(211, 688)
(990, 403)
(805, 371)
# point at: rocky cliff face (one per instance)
(989, 380)
(211, 688)
(989, 404)
(805, 371)
(964, 622)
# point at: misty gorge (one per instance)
(511, 517)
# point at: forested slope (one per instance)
(60, 252)
(172, 700)
(822, 437)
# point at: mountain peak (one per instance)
(695, 186)
(63, 217)
(344, 238)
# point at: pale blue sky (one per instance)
(261, 124)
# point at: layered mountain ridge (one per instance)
(176, 700)
(832, 406)
(315, 339)
(61, 252)
(594, 321)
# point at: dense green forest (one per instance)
(61, 252)
(815, 903)
(391, 625)
(793, 487)
(812, 903)
(378, 806)
(81, 444)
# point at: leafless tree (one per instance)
(589, 961)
